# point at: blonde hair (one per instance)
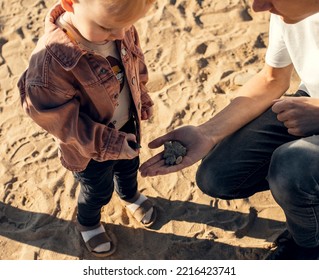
(126, 8)
(125, 2)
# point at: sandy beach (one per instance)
(198, 53)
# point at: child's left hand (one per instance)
(146, 114)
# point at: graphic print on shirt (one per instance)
(118, 70)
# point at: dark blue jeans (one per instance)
(262, 156)
(99, 180)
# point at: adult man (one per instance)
(274, 144)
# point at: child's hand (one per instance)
(128, 152)
(146, 114)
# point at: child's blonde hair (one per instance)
(126, 9)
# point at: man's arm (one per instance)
(253, 99)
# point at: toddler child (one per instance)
(85, 85)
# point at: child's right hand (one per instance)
(127, 152)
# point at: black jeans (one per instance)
(238, 166)
(99, 180)
(262, 156)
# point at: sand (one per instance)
(199, 53)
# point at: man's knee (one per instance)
(291, 168)
(211, 182)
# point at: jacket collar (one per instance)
(59, 45)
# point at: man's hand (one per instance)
(193, 138)
(299, 114)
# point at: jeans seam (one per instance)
(317, 226)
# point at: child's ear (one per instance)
(67, 5)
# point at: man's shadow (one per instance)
(47, 232)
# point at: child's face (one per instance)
(98, 22)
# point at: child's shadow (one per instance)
(47, 232)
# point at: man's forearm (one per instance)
(252, 100)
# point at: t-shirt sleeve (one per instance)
(277, 54)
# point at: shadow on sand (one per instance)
(47, 232)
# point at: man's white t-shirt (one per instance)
(297, 44)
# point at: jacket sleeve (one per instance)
(143, 76)
(61, 117)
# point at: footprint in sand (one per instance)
(22, 151)
(22, 206)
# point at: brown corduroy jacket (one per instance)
(72, 94)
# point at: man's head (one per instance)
(101, 20)
(291, 11)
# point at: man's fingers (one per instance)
(160, 168)
(156, 143)
(284, 104)
(156, 166)
(277, 106)
(150, 162)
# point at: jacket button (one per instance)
(116, 96)
(133, 81)
(139, 105)
(103, 71)
(124, 52)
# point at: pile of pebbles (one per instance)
(174, 152)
